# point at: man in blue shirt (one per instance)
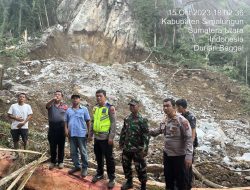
(77, 124)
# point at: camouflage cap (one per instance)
(134, 102)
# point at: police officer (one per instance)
(134, 141)
(103, 129)
(178, 146)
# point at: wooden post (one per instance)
(1, 77)
(46, 13)
(246, 72)
(155, 26)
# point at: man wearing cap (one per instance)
(103, 129)
(56, 135)
(77, 124)
(134, 141)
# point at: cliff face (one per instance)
(225, 4)
(104, 31)
(100, 30)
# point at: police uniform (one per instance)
(103, 129)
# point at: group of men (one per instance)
(75, 123)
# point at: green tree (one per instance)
(33, 15)
(243, 58)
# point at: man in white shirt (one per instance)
(20, 113)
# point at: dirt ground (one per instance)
(204, 90)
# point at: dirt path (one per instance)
(44, 179)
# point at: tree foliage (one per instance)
(33, 15)
(175, 43)
(148, 14)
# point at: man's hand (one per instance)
(90, 139)
(66, 133)
(20, 125)
(120, 147)
(188, 163)
(143, 153)
(19, 119)
(110, 142)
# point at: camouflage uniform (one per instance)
(134, 141)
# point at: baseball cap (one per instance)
(133, 102)
(75, 96)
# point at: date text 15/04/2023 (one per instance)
(206, 12)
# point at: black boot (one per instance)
(143, 186)
(127, 185)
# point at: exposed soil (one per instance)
(60, 180)
(209, 95)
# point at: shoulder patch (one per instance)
(108, 105)
(185, 124)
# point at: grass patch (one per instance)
(5, 136)
(245, 95)
(37, 140)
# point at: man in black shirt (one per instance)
(182, 108)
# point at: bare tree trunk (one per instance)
(37, 12)
(40, 17)
(5, 18)
(246, 72)
(20, 17)
(155, 25)
(174, 33)
(1, 77)
(40, 21)
(46, 13)
(25, 35)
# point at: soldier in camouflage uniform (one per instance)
(134, 141)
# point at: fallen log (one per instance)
(1, 76)
(219, 164)
(31, 171)
(120, 174)
(205, 180)
(151, 168)
(17, 172)
(146, 58)
(155, 168)
(20, 150)
(16, 180)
